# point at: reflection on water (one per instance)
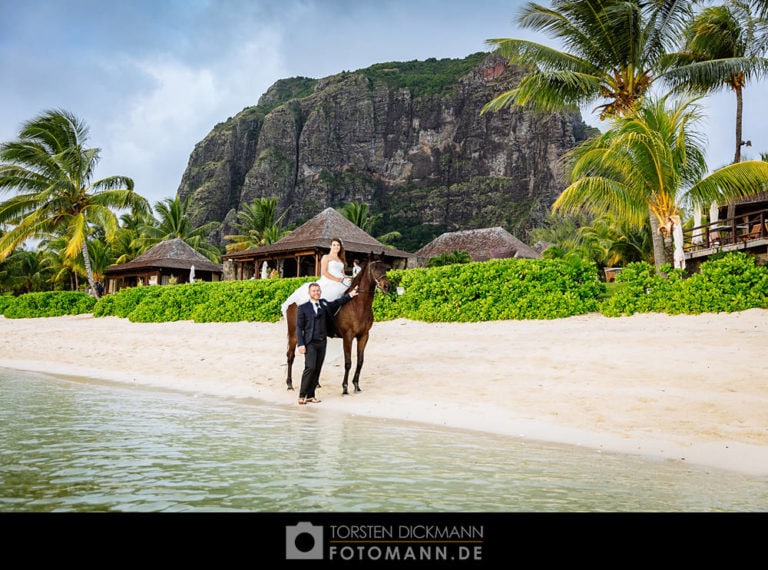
(76, 446)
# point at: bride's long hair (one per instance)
(342, 254)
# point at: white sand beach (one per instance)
(683, 388)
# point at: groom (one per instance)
(312, 337)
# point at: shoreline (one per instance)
(683, 388)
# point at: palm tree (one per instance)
(174, 222)
(614, 51)
(653, 161)
(22, 272)
(724, 48)
(126, 244)
(358, 214)
(258, 225)
(760, 7)
(51, 170)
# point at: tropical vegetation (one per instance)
(501, 289)
(51, 170)
(258, 224)
(615, 52)
(359, 214)
(628, 189)
(175, 222)
(653, 159)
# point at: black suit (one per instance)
(312, 332)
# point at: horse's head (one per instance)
(373, 275)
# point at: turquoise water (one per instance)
(69, 445)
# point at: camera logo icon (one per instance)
(304, 541)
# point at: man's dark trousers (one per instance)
(314, 356)
(313, 364)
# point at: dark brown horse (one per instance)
(353, 321)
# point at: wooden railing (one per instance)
(730, 231)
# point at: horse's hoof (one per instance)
(290, 387)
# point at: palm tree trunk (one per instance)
(739, 134)
(659, 254)
(88, 270)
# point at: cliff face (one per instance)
(423, 157)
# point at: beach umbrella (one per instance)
(192, 274)
(264, 268)
(714, 213)
(679, 254)
(697, 215)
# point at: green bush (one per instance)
(729, 283)
(174, 303)
(203, 302)
(5, 302)
(253, 300)
(48, 304)
(125, 301)
(499, 289)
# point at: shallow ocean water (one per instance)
(72, 445)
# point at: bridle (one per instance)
(377, 280)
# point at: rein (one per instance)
(376, 280)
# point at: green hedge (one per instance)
(47, 304)
(204, 302)
(501, 289)
(731, 283)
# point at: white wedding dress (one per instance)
(329, 290)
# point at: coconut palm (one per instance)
(22, 272)
(51, 170)
(258, 224)
(613, 53)
(760, 7)
(174, 222)
(358, 214)
(126, 244)
(724, 49)
(653, 161)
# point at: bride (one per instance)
(333, 281)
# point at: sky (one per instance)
(151, 78)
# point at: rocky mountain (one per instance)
(406, 138)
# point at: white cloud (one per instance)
(151, 137)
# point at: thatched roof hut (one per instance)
(167, 262)
(299, 253)
(481, 244)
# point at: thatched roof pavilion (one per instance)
(481, 244)
(167, 262)
(299, 253)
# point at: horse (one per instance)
(353, 320)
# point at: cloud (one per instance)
(151, 137)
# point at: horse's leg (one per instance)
(291, 352)
(362, 340)
(347, 363)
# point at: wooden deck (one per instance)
(748, 231)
